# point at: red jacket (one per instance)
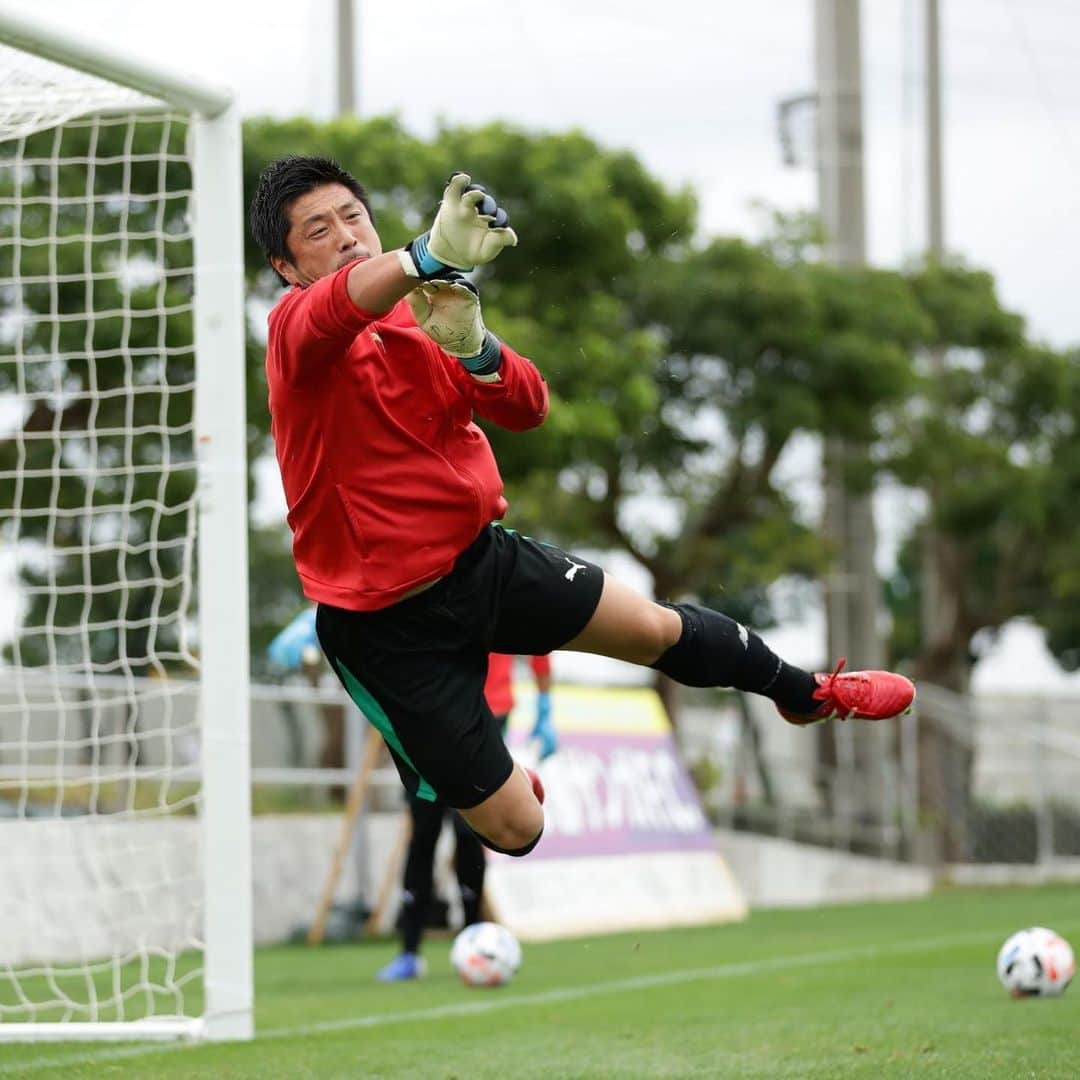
(386, 476)
(499, 687)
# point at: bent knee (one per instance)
(517, 853)
(517, 835)
(512, 819)
(656, 629)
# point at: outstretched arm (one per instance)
(376, 285)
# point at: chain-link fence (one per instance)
(986, 780)
(990, 779)
(840, 785)
(1026, 784)
(71, 742)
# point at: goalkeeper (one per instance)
(376, 364)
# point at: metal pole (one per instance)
(346, 59)
(223, 583)
(937, 610)
(935, 169)
(839, 131)
(851, 592)
(852, 599)
(1044, 815)
(909, 785)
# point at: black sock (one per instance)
(427, 818)
(412, 922)
(715, 650)
(469, 868)
(470, 906)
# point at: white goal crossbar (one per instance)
(210, 620)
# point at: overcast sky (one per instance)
(693, 89)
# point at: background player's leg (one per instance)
(427, 819)
(469, 866)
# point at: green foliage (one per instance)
(767, 348)
(680, 370)
(964, 307)
(275, 597)
(102, 362)
(593, 221)
(990, 433)
(1060, 615)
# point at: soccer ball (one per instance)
(1035, 963)
(485, 954)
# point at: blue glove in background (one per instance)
(544, 730)
(286, 651)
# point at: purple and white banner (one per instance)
(626, 842)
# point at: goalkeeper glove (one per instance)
(543, 732)
(448, 311)
(469, 229)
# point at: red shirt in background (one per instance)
(499, 688)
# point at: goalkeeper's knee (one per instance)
(517, 852)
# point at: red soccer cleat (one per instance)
(860, 695)
(537, 783)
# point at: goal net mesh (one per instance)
(101, 908)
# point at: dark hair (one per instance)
(283, 182)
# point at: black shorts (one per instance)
(417, 668)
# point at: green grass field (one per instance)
(875, 990)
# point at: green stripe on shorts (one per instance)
(378, 718)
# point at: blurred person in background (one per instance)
(427, 821)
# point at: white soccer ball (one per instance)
(485, 954)
(1036, 963)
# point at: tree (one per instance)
(991, 436)
(1059, 614)
(678, 373)
(102, 365)
(592, 216)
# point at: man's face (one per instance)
(329, 227)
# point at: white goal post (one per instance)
(124, 673)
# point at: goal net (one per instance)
(123, 651)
